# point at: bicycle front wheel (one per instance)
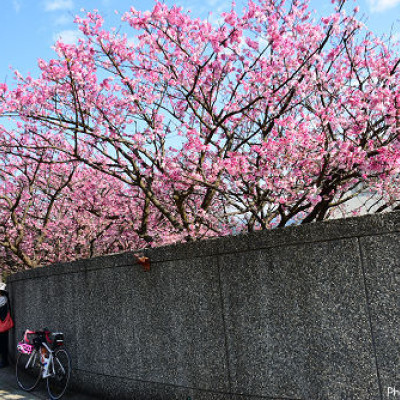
(60, 373)
(28, 370)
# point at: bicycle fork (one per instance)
(31, 359)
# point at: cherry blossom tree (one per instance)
(55, 211)
(266, 118)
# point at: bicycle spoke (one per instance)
(61, 372)
(60, 366)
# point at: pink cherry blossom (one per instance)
(196, 130)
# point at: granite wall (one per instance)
(309, 312)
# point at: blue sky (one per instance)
(28, 28)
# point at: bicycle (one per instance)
(41, 355)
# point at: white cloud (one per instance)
(63, 20)
(395, 37)
(54, 5)
(382, 5)
(219, 5)
(132, 41)
(68, 36)
(17, 5)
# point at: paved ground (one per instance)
(9, 389)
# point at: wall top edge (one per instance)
(368, 225)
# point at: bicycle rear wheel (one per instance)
(60, 370)
(28, 370)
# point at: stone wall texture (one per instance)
(304, 312)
